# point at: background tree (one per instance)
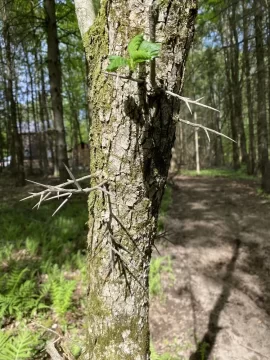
(31, 84)
(235, 35)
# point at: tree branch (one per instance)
(85, 11)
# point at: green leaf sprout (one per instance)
(139, 50)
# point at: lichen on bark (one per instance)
(131, 138)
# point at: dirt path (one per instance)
(219, 305)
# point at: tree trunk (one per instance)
(246, 64)
(228, 62)
(131, 138)
(261, 98)
(47, 125)
(197, 151)
(236, 83)
(17, 151)
(55, 76)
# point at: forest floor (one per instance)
(218, 305)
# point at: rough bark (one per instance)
(132, 134)
(55, 75)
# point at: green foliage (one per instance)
(158, 266)
(116, 62)
(37, 254)
(17, 347)
(139, 51)
(240, 174)
(61, 293)
(164, 207)
(18, 293)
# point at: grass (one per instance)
(164, 207)
(159, 265)
(42, 274)
(240, 174)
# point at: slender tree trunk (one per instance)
(17, 151)
(228, 62)
(75, 126)
(132, 134)
(28, 116)
(268, 55)
(55, 76)
(261, 96)
(47, 125)
(218, 148)
(198, 170)
(246, 61)
(44, 141)
(236, 83)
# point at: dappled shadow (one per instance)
(217, 300)
(205, 346)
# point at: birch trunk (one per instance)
(131, 138)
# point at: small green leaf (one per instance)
(134, 44)
(151, 48)
(116, 62)
(142, 50)
(140, 56)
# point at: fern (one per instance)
(17, 347)
(3, 339)
(18, 295)
(139, 51)
(61, 294)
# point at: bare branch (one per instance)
(63, 203)
(65, 192)
(189, 101)
(205, 128)
(59, 186)
(73, 178)
(124, 77)
(85, 11)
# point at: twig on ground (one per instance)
(51, 350)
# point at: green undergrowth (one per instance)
(164, 207)
(240, 174)
(42, 274)
(43, 280)
(160, 266)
